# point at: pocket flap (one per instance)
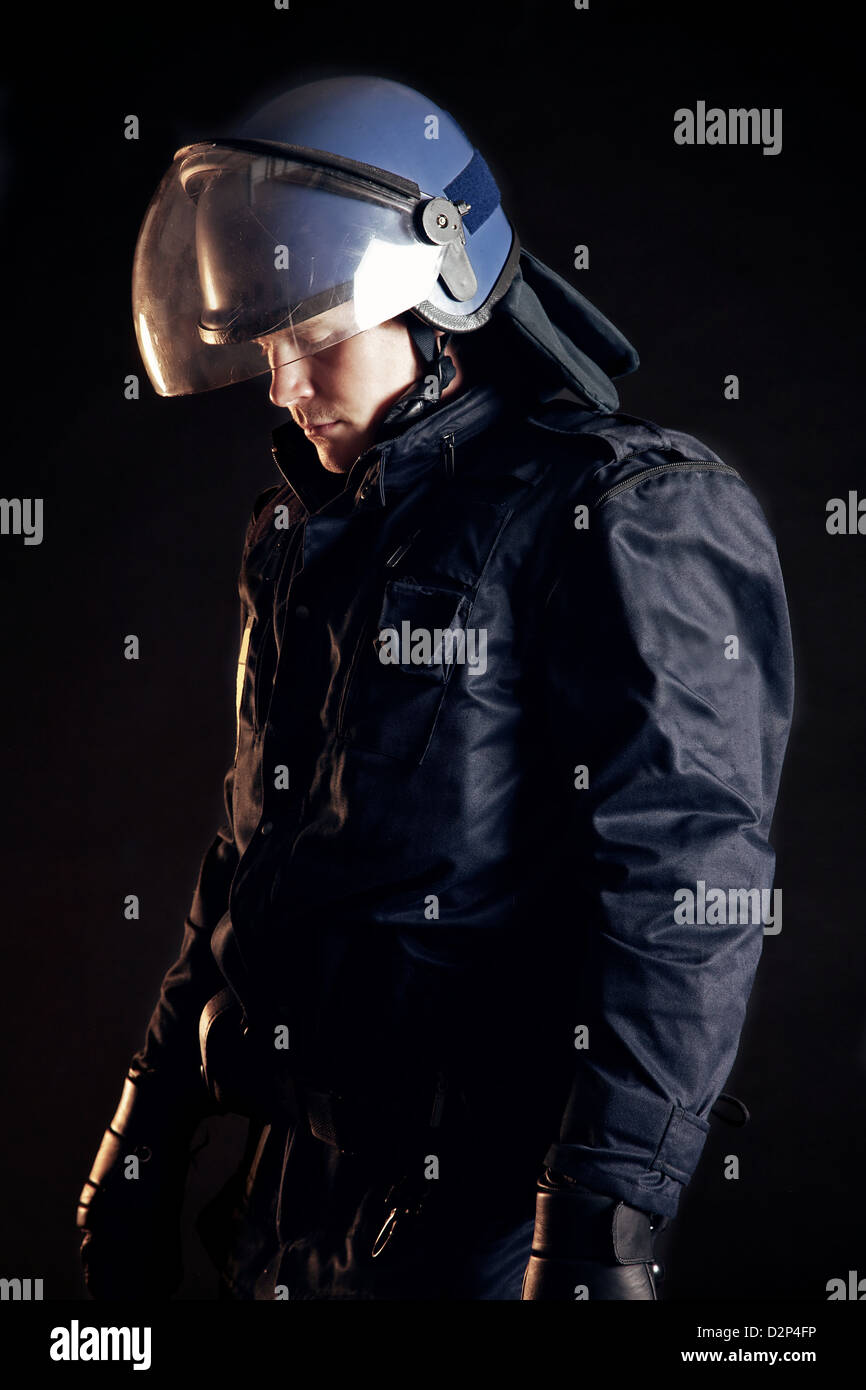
(421, 629)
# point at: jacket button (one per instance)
(267, 827)
(302, 611)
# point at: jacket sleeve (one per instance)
(171, 1044)
(670, 678)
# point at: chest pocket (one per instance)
(397, 684)
(402, 667)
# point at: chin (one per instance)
(340, 461)
(334, 465)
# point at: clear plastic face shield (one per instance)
(252, 255)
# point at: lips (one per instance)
(323, 428)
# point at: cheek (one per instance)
(333, 387)
(374, 375)
(358, 376)
(403, 364)
(396, 366)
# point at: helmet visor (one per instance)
(250, 260)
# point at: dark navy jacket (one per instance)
(413, 866)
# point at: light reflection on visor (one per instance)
(239, 247)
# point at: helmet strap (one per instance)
(439, 371)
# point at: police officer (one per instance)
(515, 677)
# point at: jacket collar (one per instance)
(396, 462)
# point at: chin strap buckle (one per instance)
(439, 371)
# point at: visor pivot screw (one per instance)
(439, 221)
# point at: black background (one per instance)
(711, 260)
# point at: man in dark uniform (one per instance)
(515, 680)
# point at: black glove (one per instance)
(128, 1212)
(588, 1245)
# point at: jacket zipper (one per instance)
(368, 628)
(663, 468)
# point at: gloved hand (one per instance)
(589, 1246)
(129, 1208)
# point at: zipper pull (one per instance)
(448, 453)
(401, 550)
(402, 1202)
(438, 1100)
(385, 1234)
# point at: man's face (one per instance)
(340, 395)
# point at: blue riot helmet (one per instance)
(337, 206)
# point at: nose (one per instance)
(290, 383)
